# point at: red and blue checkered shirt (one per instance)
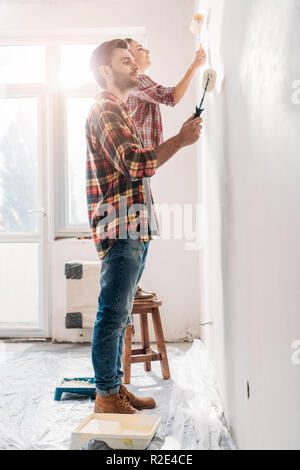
(143, 107)
(118, 171)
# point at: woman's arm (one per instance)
(150, 91)
(182, 86)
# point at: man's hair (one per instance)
(102, 56)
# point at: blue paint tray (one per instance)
(79, 385)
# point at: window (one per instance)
(76, 95)
(74, 64)
(22, 64)
(47, 88)
(77, 91)
(75, 75)
(18, 164)
(77, 111)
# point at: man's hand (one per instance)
(200, 58)
(190, 131)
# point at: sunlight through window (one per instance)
(75, 69)
(22, 64)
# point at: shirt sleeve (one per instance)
(122, 148)
(148, 90)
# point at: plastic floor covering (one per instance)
(189, 403)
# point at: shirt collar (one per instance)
(110, 96)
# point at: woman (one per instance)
(143, 103)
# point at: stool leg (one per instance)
(126, 358)
(160, 340)
(145, 337)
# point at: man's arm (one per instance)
(182, 86)
(122, 148)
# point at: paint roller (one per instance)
(208, 83)
(196, 26)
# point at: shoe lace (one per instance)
(124, 400)
(126, 392)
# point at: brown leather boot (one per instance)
(141, 295)
(137, 402)
(117, 403)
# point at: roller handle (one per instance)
(198, 112)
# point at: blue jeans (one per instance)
(121, 270)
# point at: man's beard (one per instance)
(124, 82)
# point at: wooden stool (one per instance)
(145, 354)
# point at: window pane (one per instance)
(77, 111)
(18, 165)
(21, 64)
(75, 67)
(19, 283)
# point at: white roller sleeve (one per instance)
(212, 81)
(196, 23)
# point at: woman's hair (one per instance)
(129, 41)
(102, 56)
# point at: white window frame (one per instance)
(52, 145)
(63, 228)
(87, 90)
(55, 125)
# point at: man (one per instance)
(118, 168)
(143, 105)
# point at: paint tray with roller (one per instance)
(119, 431)
(77, 385)
(209, 82)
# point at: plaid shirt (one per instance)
(117, 166)
(143, 106)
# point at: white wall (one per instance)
(251, 171)
(171, 270)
